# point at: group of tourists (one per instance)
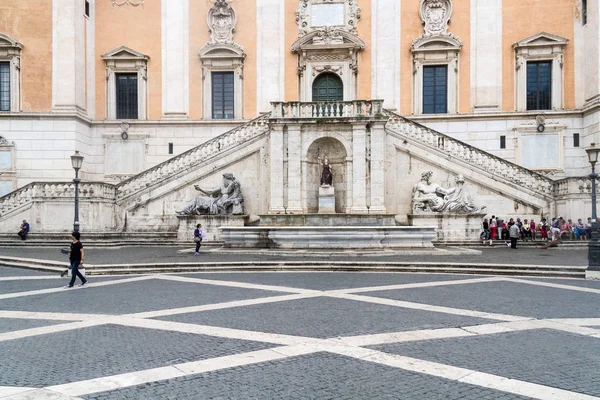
(497, 228)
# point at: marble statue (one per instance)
(430, 197)
(226, 199)
(326, 174)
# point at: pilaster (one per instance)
(270, 53)
(276, 169)
(377, 203)
(68, 56)
(294, 150)
(359, 170)
(175, 58)
(385, 39)
(486, 55)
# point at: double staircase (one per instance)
(459, 157)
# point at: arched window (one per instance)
(328, 87)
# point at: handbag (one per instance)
(197, 239)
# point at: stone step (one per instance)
(430, 267)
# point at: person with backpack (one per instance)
(198, 235)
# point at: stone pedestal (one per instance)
(451, 227)
(326, 199)
(211, 225)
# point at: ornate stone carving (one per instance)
(226, 199)
(4, 141)
(352, 14)
(134, 3)
(436, 16)
(326, 174)
(221, 20)
(432, 198)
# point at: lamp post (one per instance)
(76, 162)
(593, 269)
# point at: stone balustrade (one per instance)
(332, 109)
(475, 157)
(193, 157)
(55, 190)
(574, 185)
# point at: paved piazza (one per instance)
(298, 336)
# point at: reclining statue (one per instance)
(226, 199)
(432, 198)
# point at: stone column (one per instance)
(294, 152)
(276, 169)
(377, 168)
(68, 56)
(175, 58)
(486, 55)
(359, 173)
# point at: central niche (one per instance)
(332, 150)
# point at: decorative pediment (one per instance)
(7, 41)
(124, 53)
(328, 38)
(542, 39)
(437, 42)
(227, 51)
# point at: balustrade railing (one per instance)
(472, 155)
(193, 157)
(55, 190)
(331, 109)
(574, 185)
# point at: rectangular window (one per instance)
(87, 8)
(170, 148)
(539, 85)
(435, 89)
(4, 86)
(576, 140)
(502, 142)
(127, 96)
(222, 95)
(584, 12)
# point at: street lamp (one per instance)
(593, 269)
(76, 162)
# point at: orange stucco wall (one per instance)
(30, 23)
(199, 36)
(364, 57)
(523, 18)
(412, 28)
(245, 35)
(138, 28)
(291, 59)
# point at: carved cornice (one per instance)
(134, 3)
(328, 38)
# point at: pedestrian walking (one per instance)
(198, 235)
(76, 257)
(514, 235)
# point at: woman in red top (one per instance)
(533, 228)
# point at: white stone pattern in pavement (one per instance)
(290, 345)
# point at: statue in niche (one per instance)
(431, 197)
(226, 199)
(326, 174)
(221, 20)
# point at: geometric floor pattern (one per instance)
(286, 335)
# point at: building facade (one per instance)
(133, 83)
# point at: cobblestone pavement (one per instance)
(298, 336)
(494, 255)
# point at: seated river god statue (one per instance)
(226, 199)
(432, 198)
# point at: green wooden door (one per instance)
(328, 87)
